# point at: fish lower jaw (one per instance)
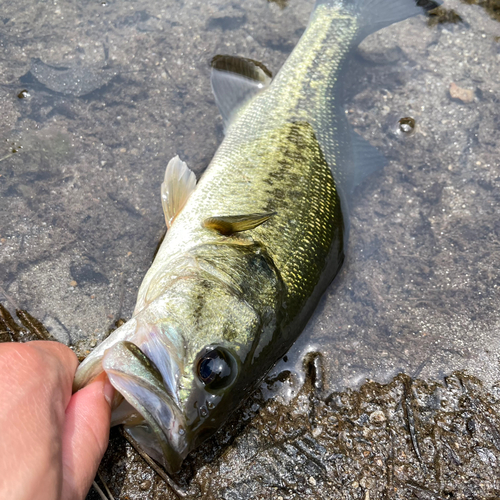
(162, 430)
(153, 422)
(157, 448)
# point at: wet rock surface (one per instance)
(96, 97)
(407, 439)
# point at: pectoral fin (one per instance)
(177, 187)
(230, 224)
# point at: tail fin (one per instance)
(373, 15)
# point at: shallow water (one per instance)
(117, 89)
(419, 292)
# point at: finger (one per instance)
(49, 366)
(35, 388)
(85, 436)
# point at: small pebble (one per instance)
(377, 417)
(464, 95)
(73, 283)
(312, 481)
(317, 431)
(145, 485)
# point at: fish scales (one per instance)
(258, 152)
(252, 247)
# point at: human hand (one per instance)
(51, 442)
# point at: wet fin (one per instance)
(177, 187)
(366, 159)
(235, 80)
(373, 15)
(228, 225)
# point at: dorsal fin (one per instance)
(177, 187)
(230, 224)
(235, 80)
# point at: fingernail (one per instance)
(108, 391)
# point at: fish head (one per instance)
(191, 361)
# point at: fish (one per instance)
(252, 246)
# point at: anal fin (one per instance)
(367, 159)
(230, 224)
(176, 188)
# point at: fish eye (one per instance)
(215, 368)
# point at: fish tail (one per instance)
(373, 15)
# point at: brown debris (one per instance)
(461, 94)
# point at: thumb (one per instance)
(85, 436)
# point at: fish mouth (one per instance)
(150, 390)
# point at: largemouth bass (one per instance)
(251, 248)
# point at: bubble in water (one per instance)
(406, 125)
